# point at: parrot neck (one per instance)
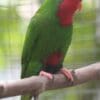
(66, 11)
(65, 21)
(61, 11)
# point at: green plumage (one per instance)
(44, 36)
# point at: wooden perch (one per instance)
(39, 84)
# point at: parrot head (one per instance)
(66, 11)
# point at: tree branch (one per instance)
(39, 84)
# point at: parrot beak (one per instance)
(79, 7)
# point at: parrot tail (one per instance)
(26, 97)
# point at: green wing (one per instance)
(29, 44)
(37, 24)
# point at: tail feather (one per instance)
(26, 97)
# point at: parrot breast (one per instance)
(52, 63)
(54, 59)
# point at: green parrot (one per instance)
(48, 38)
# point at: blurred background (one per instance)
(85, 48)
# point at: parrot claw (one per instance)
(48, 75)
(67, 74)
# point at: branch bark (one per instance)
(39, 84)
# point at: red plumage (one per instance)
(54, 59)
(66, 10)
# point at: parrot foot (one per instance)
(67, 74)
(48, 75)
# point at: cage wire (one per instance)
(85, 48)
